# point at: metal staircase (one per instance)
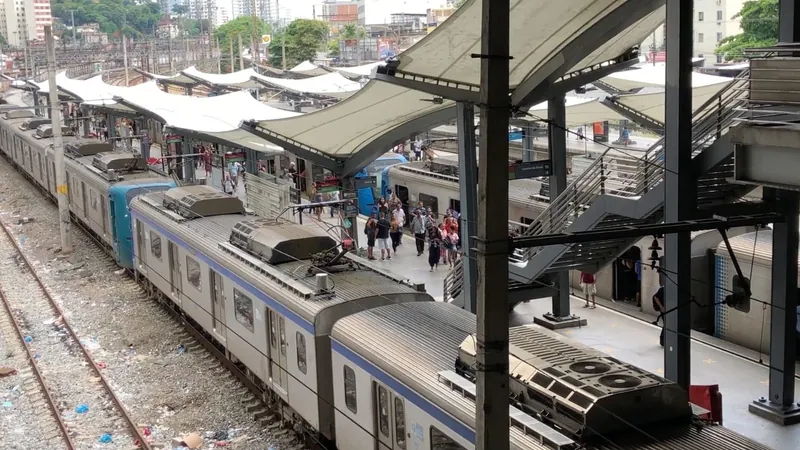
(620, 190)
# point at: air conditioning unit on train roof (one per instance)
(86, 147)
(33, 123)
(46, 131)
(445, 166)
(18, 114)
(582, 390)
(119, 162)
(276, 242)
(201, 201)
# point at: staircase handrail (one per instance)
(454, 282)
(633, 176)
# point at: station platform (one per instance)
(631, 337)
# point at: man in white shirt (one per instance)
(399, 215)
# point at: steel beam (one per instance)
(612, 24)
(680, 191)
(492, 430)
(780, 407)
(788, 21)
(557, 141)
(468, 174)
(434, 88)
(686, 226)
(527, 142)
(640, 118)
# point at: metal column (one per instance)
(188, 161)
(680, 191)
(468, 174)
(560, 316)
(788, 21)
(188, 90)
(527, 144)
(111, 126)
(36, 102)
(492, 430)
(86, 120)
(780, 407)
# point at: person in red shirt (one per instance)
(589, 289)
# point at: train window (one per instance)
(441, 441)
(243, 309)
(399, 422)
(93, 199)
(383, 411)
(350, 389)
(301, 352)
(155, 245)
(430, 201)
(273, 333)
(193, 272)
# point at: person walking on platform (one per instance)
(371, 230)
(399, 216)
(395, 233)
(588, 281)
(434, 246)
(418, 227)
(383, 236)
(658, 305)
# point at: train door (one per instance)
(83, 200)
(218, 304)
(627, 278)
(140, 247)
(390, 419)
(402, 195)
(277, 350)
(175, 272)
(41, 177)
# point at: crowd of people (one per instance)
(388, 221)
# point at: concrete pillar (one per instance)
(492, 430)
(188, 161)
(468, 174)
(188, 90)
(86, 120)
(36, 102)
(680, 192)
(788, 21)
(780, 406)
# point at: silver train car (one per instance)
(404, 379)
(268, 292)
(100, 181)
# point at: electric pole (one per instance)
(124, 46)
(58, 145)
(74, 39)
(219, 58)
(241, 54)
(233, 61)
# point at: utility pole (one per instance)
(74, 39)
(233, 61)
(492, 338)
(219, 58)
(58, 145)
(124, 46)
(241, 55)
(169, 50)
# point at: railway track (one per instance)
(61, 364)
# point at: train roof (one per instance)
(412, 343)
(290, 279)
(745, 247)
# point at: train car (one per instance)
(437, 186)
(368, 197)
(268, 292)
(93, 171)
(746, 324)
(404, 378)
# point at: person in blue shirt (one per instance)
(626, 136)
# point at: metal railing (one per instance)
(454, 282)
(632, 177)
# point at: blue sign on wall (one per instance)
(514, 135)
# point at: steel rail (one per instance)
(137, 434)
(51, 403)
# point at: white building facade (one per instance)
(22, 21)
(713, 22)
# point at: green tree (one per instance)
(246, 27)
(333, 48)
(459, 3)
(141, 16)
(759, 22)
(303, 38)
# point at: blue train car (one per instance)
(367, 197)
(119, 197)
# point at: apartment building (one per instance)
(24, 20)
(267, 10)
(713, 22)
